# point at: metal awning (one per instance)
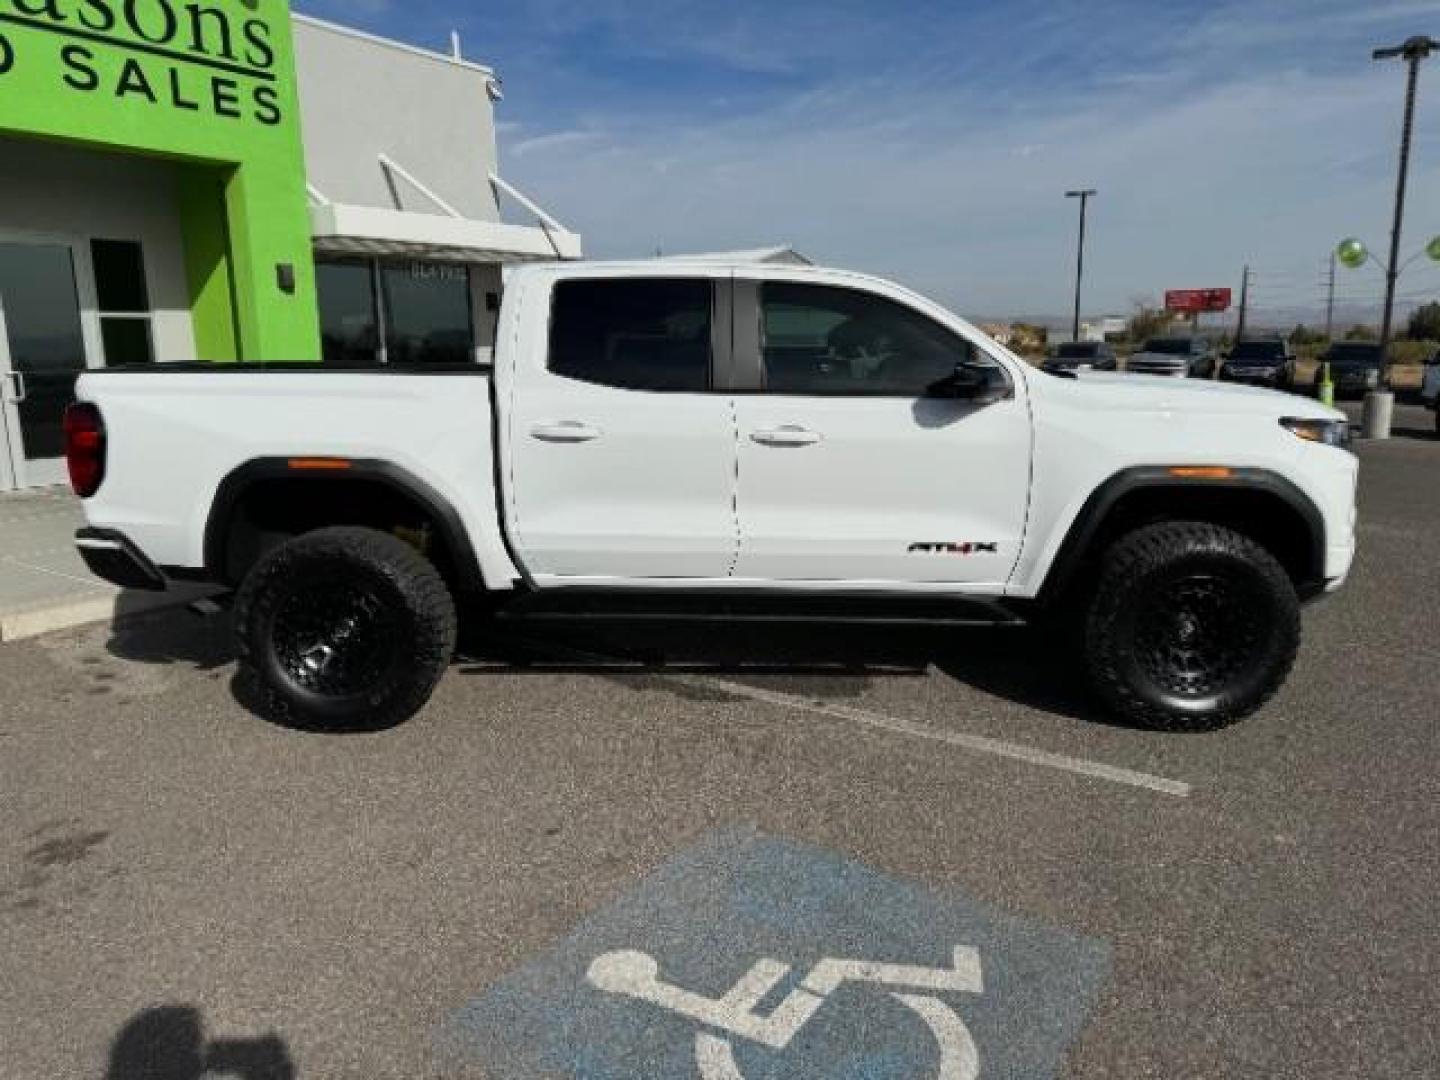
(341, 229)
(364, 230)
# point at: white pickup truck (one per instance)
(721, 440)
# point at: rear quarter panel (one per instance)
(173, 438)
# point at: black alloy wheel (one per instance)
(1192, 627)
(344, 629)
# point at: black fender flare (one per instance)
(1092, 517)
(233, 488)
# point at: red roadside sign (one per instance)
(1195, 301)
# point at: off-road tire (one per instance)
(1192, 627)
(366, 679)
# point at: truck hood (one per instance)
(1172, 359)
(1142, 393)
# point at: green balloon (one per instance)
(1433, 250)
(1353, 254)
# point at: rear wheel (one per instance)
(345, 628)
(1192, 627)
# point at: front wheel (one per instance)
(1192, 627)
(345, 628)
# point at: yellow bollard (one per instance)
(1327, 387)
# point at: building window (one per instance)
(427, 313)
(381, 312)
(123, 301)
(349, 320)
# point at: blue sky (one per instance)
(933, 141)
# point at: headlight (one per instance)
(1329, 432)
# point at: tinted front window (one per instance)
(827, 341)
(1259, 350)
(1356, 355)
(633, 334)
(1169, 346)
(1080, 351)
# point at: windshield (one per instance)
(1361, 355)
(1169, 346)
(1084, 350)
(1273, 351)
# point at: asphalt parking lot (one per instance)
(615, 853)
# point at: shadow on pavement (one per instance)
(172, 636)
(1030, 667)
(169, 1044)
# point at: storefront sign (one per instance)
(212, 58)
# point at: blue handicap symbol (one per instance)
(753, 958)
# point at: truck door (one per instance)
(848, 471)
(622, 455)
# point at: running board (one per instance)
(667, 606)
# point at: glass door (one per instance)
(42, 353)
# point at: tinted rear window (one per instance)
(1081, 351)
(652, 334)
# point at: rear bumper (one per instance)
(112, 557)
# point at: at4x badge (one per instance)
(955, 549)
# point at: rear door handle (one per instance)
(568, 431)
(21, 393)
(788, 437)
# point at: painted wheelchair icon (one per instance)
(636, 975)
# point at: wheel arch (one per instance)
(270, 499)
(1258, 503)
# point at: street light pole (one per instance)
(1380, 405)
(1084, 197)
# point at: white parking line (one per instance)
(979, 744)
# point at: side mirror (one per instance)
(984, 384)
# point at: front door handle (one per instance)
(21, 393)
(568, 431)
(788, 437)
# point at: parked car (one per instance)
(719, 441)
(1430, 390)
(1354, 368)
(1082, 356)
(1260, 363)
(1175, 357)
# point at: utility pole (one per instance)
(1330, 303)
(1084, 196)
(1244, 306)
(1380, 405)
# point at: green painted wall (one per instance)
(211, 85)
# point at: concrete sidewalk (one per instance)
(44, 585)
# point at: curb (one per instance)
(68, 614)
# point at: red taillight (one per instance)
(85, 448)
